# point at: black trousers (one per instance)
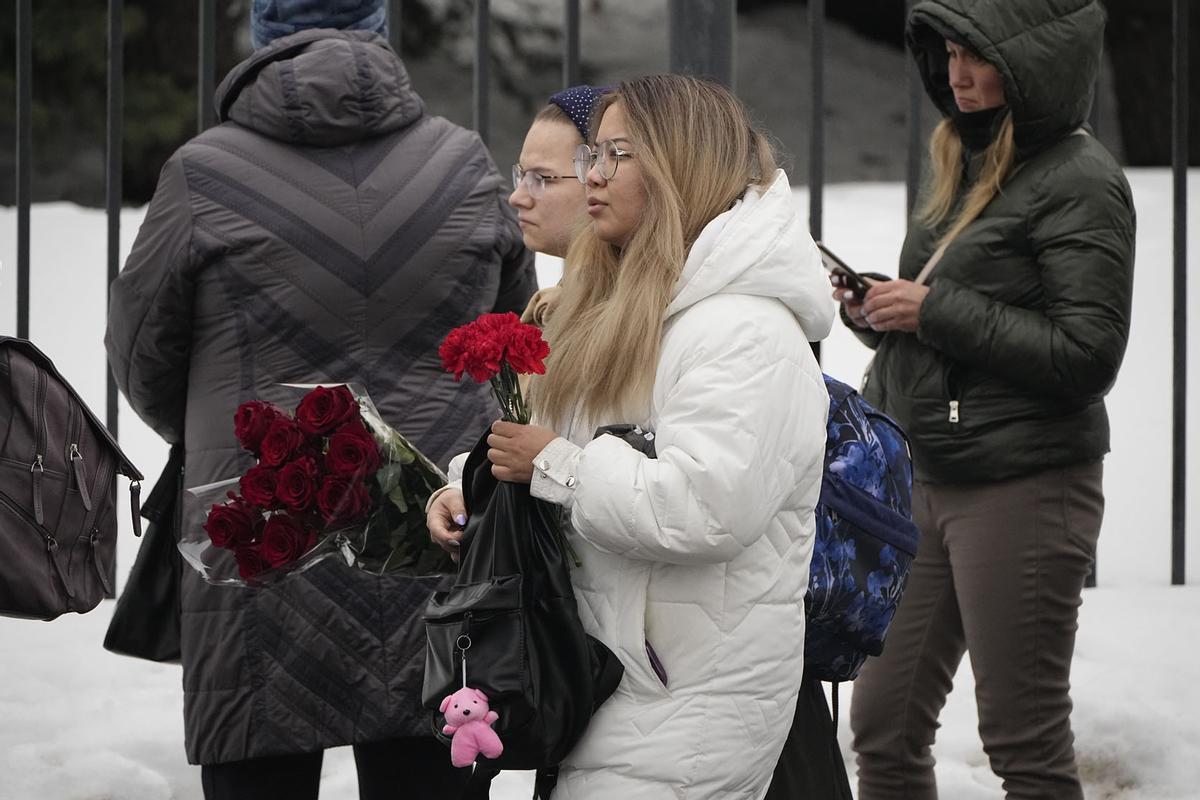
(810, 766)
(396, 769)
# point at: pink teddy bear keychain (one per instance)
(469, 724)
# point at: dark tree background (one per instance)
(70, 73)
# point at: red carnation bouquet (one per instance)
(497, 348)
(330, 478)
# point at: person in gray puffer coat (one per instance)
(328, 231)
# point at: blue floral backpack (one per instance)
(866, 539)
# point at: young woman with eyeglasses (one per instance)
(546, 194)
(688, 309)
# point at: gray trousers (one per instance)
(998, 574)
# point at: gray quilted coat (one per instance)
(328, 230)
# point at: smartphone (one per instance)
(849, 278)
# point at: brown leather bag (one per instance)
(58, 468)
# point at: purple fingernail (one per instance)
(460, 519)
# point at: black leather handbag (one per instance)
(145, 623)
(512, 609)
(58, 491)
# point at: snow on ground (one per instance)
(79, 723)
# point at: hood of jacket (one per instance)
(321, 87)
(1047, 52)
(760, 247)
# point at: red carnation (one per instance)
(353, 451)
(231, 524)
(468, 349)
(342, 500)
(258, 486)
(297, 484)
(284, 438)
(527, 351)
(251, 422)
(324, 409)
(284, 540)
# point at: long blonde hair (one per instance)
(697, 151)
(945, 154)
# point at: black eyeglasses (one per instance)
(534, 182)
(606, 156)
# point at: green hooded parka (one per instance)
(1027, 317)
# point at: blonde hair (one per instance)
(552, 113)
(945, 155)
(697, 152)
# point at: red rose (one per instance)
(353, 451)
(323, 409)
(258, 486)
(343, 500)
(527, 350)
(283, 439)
(284, 540)
(231, 524)
(251, 422)
(250, 562)
(297, 484)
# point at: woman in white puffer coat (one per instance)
(692, 298)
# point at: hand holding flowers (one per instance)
(512, 447)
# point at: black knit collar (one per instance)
(978, 129)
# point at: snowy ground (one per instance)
(78, 723)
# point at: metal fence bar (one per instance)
(483, 67)
(570, 43)
(916, 144)
(24, 157)
(701, 38)
(395, 16)
(1179, 164)
(816, 145)
(206, 66)
(112, 171)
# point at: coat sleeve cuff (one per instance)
(554, 472)
(454, 479)
(457, 485)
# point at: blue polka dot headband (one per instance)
(578, 103)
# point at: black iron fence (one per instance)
(702, 40)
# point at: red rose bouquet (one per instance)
(497, 348)
(330, 478)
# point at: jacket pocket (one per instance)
(642, 679)
(483, 622)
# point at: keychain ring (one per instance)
(463, 643)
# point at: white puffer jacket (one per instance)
(703, 553)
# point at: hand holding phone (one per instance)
(846, 277)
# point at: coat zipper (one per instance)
(953, 397)
(47, 536)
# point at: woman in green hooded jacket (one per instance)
(994, 349)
